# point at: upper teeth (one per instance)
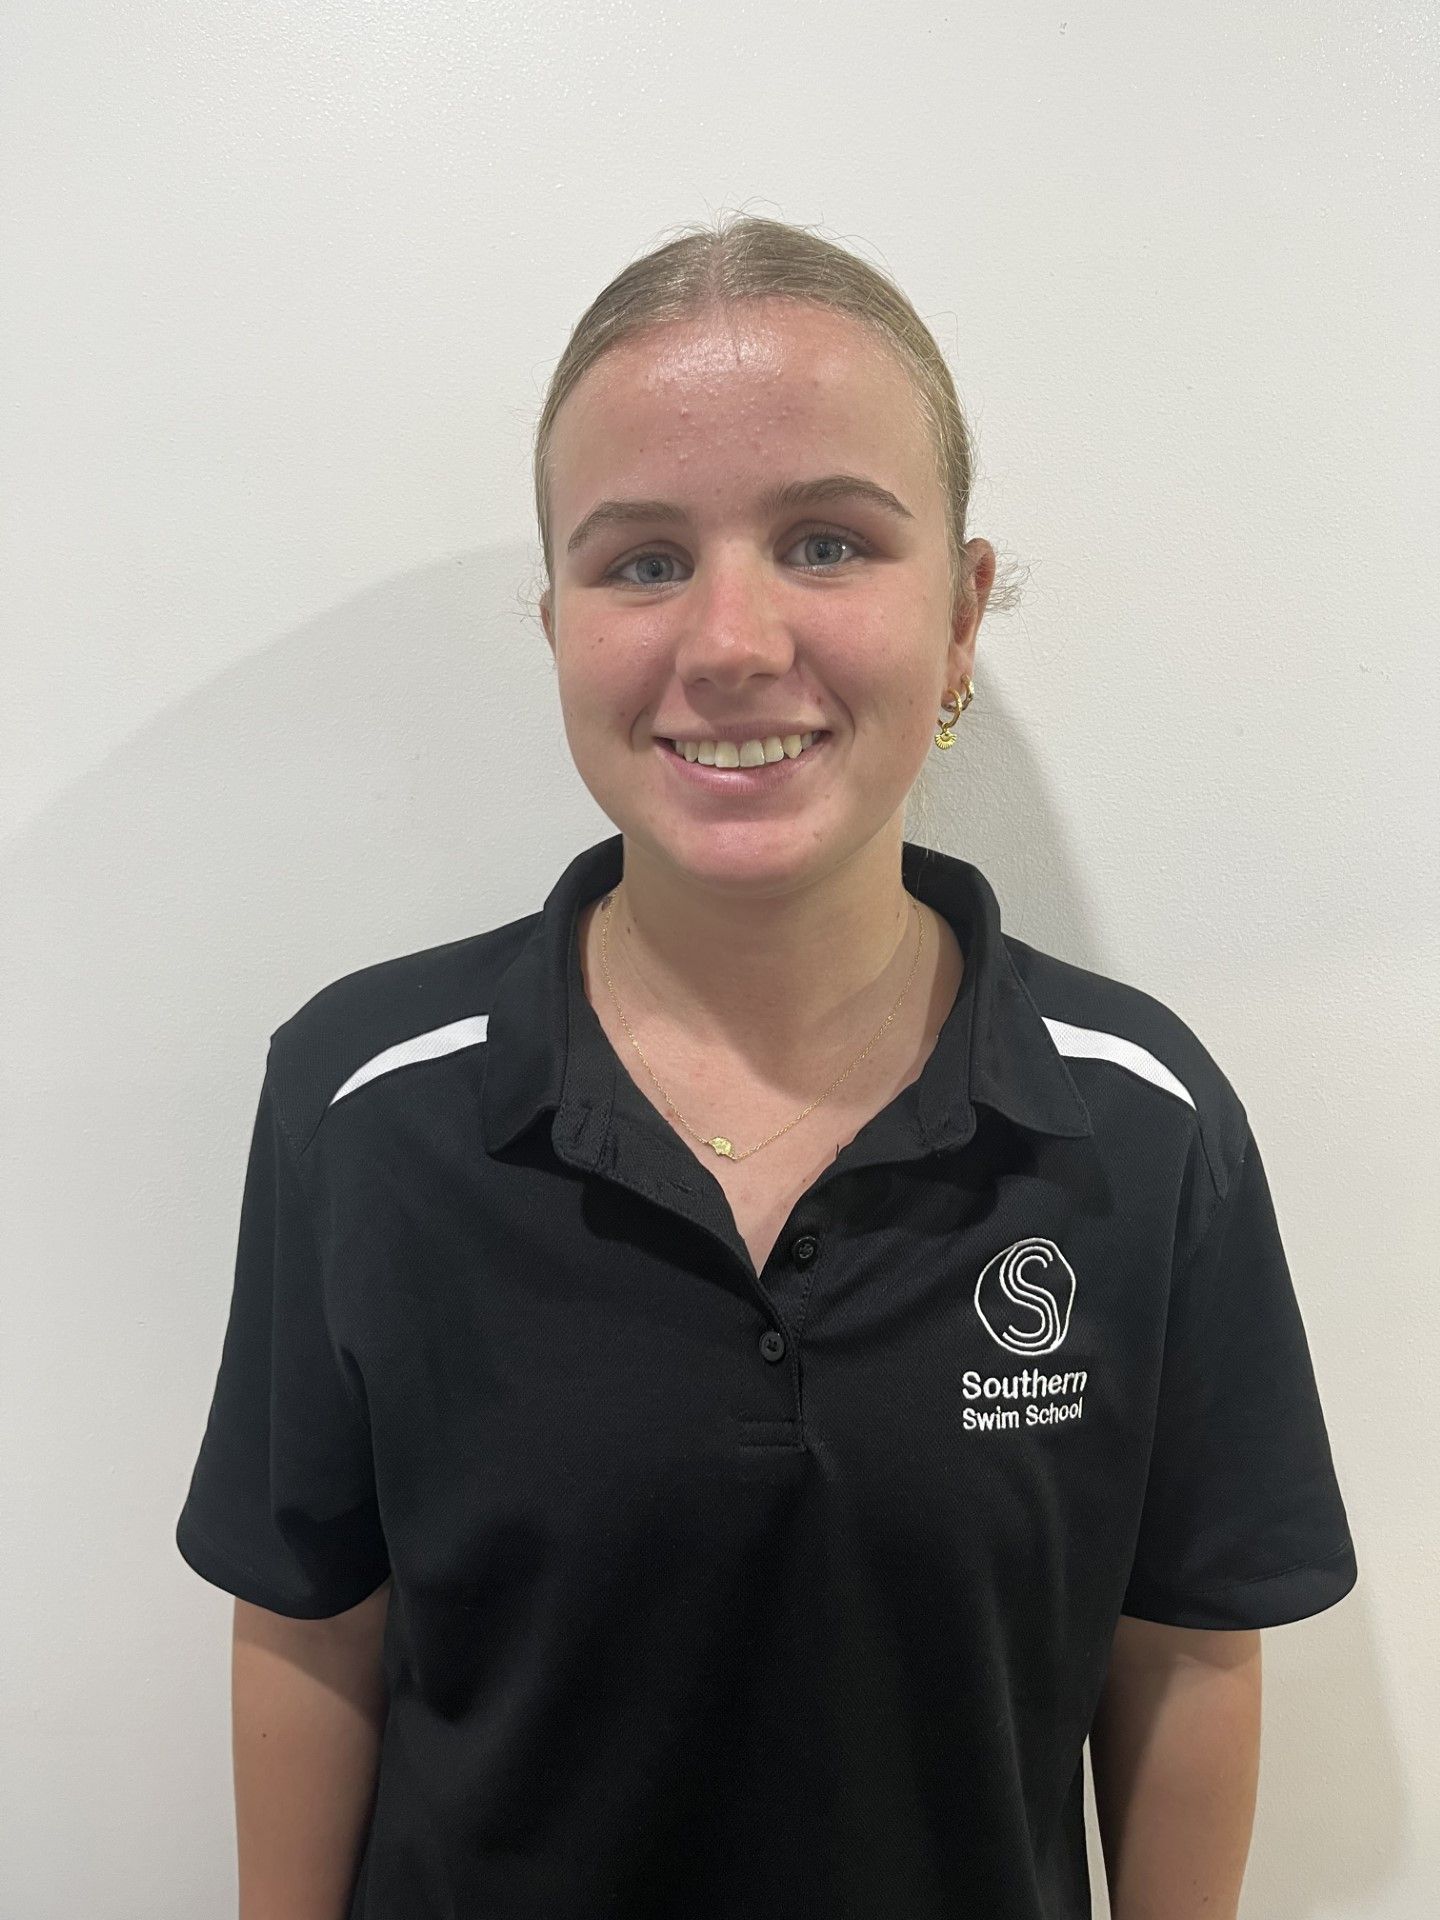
(749, 753)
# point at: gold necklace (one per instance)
(721, 1145)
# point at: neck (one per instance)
(788, 979)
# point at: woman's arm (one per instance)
(1175, 1756)
(308, 1707)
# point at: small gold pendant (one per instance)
(721, 1145)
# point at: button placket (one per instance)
(801, 1252)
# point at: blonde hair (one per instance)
(710, 267)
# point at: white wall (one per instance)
(282, 287)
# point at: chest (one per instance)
(765, 1184)
(574, 1390)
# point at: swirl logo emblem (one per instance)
(1034, 1278)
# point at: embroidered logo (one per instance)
(1031, 1281)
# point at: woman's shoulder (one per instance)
(405, 1007)
(1123, 1043)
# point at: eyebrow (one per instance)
(792, 493)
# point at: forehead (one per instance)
(754, 384)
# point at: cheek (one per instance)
(614, 656)
(885, 679)
(605, 684)
(861, 658)
(590, 666)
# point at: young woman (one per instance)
(733, 1376)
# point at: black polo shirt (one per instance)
(716, 1594)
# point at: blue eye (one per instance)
(814, 533)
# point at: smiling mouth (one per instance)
(720, 752)
(744, 783)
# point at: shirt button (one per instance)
(772, 1344)
(804, 1250)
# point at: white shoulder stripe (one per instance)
(1085, 1043)
(1093, 1043)
(424, 1046)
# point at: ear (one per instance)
(547, 619)
(960, 656)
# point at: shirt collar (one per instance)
(546, 1049)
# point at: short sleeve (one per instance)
(281, 1509)
(1243, 1524)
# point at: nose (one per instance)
(733, 627)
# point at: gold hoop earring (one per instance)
(952, 697)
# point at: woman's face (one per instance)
(731, 610)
